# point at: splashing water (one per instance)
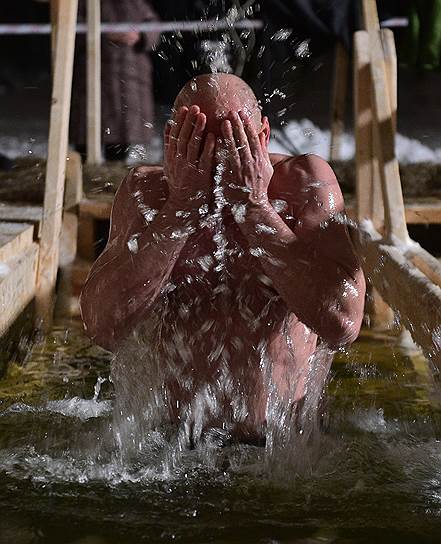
(62, 466)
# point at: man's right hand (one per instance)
(189, 159)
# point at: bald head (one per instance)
(216, 95)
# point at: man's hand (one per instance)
(247, 168)
(124, 38)
(189, 159)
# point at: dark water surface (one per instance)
(372, 475)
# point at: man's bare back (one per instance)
(237, 296)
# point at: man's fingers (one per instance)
(167, 130)
(252, 136)
(176, 126)
(240, 138)
(186, 130)
(195, 143)
(230, 143)
(206, 160)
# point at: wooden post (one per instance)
(56, 163)
(384, 128)
(54, 8)
(339, 97)
(363, 127)
(93, 82)
(376, 206)
(370, 15)
(390, 59)
(394, 214)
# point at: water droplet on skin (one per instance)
(132, 244)
(261, 228)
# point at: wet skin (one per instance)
(287, 275)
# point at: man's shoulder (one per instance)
(296, 172)
(308, 162)
(145, 178)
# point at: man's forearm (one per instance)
(312, 284)
(125, 287)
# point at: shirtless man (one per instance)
(239, 259)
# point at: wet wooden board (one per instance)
(409, 292)
(25, 181)
(417, 211)
(14, 238)
(17, 285)
(73, 187)
(98, 207)
(15, 213)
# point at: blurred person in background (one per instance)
(127, 105)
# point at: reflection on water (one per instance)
(372, 472)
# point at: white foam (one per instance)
(75, 407)
(373, 421)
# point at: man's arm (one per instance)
(312, 265)
(136, 264)
(129, 275)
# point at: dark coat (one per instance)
(126, 79)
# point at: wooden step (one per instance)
(25, 181)
(17, 285)
(14, 238)
(419, 211)
(16, 213)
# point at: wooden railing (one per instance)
(406, 276)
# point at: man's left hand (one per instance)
(245, 161)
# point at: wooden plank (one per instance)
(86, 238)
(73, 192)
(390, 59)
(68, 239)
(378, 208)
(25, 182)
(54, 8)
(56, 164)
(98, 208)
(363, 127)
(394, 215)
(426, 263)
(370, 15)
(423, 212)
(14, 238)
(13, 213)
(94, 155)
(399, 282)
(17, 285)
(339, 99)
(416, 213)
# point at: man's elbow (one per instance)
(94, 326)
(342, 331)
(344, 322)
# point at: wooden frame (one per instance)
(397, 267)
(94, 153)
(56, 163)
